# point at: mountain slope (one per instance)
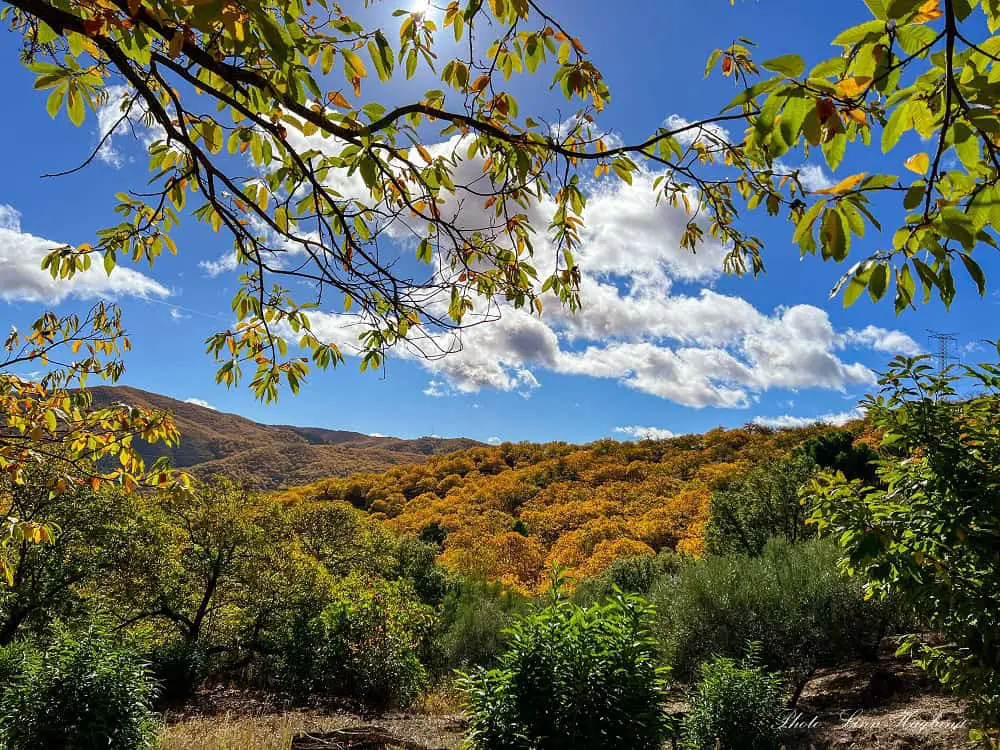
(513, 512)
(271, 456)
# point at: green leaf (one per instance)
(975, 272)
(897, 9)
(712, 60)
(55, 100)
(74, 106)
(807, 221)
(878, 281)
(791, 66)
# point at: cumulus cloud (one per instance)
(637, 432)
(836, 419)
(649, 321)
(494, 440)
(200, 402)
(24, 280)
(883, 340)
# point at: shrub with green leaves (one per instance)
(930, 531)
(473, 623)
(764, 505)
(634, 575)
(366, 644)
(734, 706)
(581, 678)
(84, 691)
(792, 600)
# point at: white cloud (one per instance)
(636, 326)
(494, 440)
(837, 419)
(637, 432)
(219, 266)
(375, 434)
(177, 315)
(10, 218)
(119, 114)
(200, 402)
(883, 340)
(23, 279)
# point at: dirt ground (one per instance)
(890, 705)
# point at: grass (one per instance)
(274, 731)
(226, 732)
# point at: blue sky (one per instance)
(692, 350)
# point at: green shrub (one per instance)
(837, 451)
(366, 645)
(634, 575)
(416, 563)
(472, 624)
(178, 666)
(573, 678)
(734, 707)
(85, 691)
(764, 505)
(792, 600)
(928, 532)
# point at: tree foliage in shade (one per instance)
(837, 450)
(765, 504)
(930, 531)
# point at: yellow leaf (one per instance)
(355, 65)
(338, 100)
(845, 185)
(918, 163)
(858, 116)
(424, 153)
(929, 11)
(852, 87)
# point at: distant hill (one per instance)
(514, 511)
(271, 456)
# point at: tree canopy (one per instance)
(339, 182)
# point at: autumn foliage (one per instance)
(511, 513)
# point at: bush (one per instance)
(633, 575)
(764, 505)
(473, 622)
(179, 667)
(928, 532)
(573, 678)
(366, 645)
(792, 600)
(416, 563)
(734, 707)
(84, 691)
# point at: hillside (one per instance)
(271, 456)
(513, 511)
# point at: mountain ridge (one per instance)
(267, 456)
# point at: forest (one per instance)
(733, 558)
(514, 512)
